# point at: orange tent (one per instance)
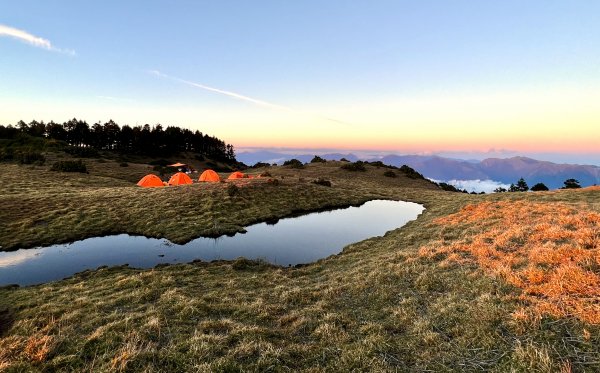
(179, 179)
(236, 175)
(209, 175)
(150, 181)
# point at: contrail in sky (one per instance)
(240, 97)
(31, 39)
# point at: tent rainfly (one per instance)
(150, 181)
(236, 175)
(180, 179)
(209, 175)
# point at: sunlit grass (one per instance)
(416, 299)
(549, 250)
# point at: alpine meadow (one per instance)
(270, 186)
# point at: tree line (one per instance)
(144, 140)
(521, 186)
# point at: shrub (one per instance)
(571, 184)
(539, 187)
(293, 163)
(321, 181)
(30, 157)
(123, 164)
(7, 154)
(265, 174)
(82, 152)
(317, 159)
(273, 182)
(449, 188)
(389, 173)
(261, 164)
(69, 166)
(232, 190)
(381, 164)
(356, 166)
(344, 160)
(411, 173)
(500, 190)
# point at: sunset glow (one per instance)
(458, 83)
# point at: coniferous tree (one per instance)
(571, 184)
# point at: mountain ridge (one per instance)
(503, 170)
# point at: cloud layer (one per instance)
(26, 37)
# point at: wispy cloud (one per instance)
(36, 41)
(241, 97)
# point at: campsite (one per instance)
(300, 186)
(383, 300)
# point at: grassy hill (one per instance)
(465, 287)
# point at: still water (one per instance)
(290, 241)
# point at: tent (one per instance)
(236, 175)
(150, 181)
(179, 179)
(209, 175)
(177, 165)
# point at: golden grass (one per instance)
(549, 250)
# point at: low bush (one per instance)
(323, 182)
(69, 166)
(411, 173)
(293, 163)
(449, 188)
(317, 159)
(390, 173)
(232, 190)
(30, 157)
(261, 164)
(265, 174)
(356, 166)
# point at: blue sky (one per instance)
(402, 71)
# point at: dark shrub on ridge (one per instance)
(293, 163)
(411, 173)
(317, 159)
(390, 173)
(356, 166)
(539, 187)
(69, 166)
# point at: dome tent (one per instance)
(236, 175)
(180, 179)
(150, 181)
(209, 175)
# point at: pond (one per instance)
(289, 241)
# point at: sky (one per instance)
(451, 77)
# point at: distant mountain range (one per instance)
(507, 170)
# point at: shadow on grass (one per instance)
(6, 321)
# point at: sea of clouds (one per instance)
(477, 186)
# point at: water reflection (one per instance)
(291, 241)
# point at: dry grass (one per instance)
(549, 250)
(378, 306)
